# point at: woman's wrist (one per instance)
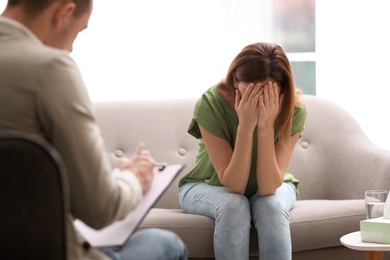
(265, 131)
(245, 129)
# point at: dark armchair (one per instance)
(33, 198)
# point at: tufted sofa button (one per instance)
(118, 153)
(182, 151)
(305, 144)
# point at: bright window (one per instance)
(177, 49)
(153, 49)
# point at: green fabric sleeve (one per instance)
(299, 119)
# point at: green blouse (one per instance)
(214, 114)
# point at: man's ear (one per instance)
(64, 13)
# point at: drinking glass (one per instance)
(375, 202)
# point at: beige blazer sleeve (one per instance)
(65, 112)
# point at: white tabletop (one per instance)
(353, 241)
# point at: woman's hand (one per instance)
(247, 106)
(269, 106)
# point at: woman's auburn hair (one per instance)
(259, 62)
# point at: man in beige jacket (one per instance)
(42, 92)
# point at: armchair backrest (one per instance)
(33, 198)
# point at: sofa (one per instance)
(334, 160)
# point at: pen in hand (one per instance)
(140, 147)
(159, 165)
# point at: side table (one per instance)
(374, 251)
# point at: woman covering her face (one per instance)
(247, 126)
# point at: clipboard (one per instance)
(118, 232)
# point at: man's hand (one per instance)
(141, 165)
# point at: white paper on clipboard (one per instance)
(117, 233)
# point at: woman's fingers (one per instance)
(247, 93)
(271, 94)
(237, 99)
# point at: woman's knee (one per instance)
(279, 204)
(235, 206)
(270, 208)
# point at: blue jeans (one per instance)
(150, 244)
(234, 213)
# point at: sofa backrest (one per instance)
(160, 125)
(333, 159)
